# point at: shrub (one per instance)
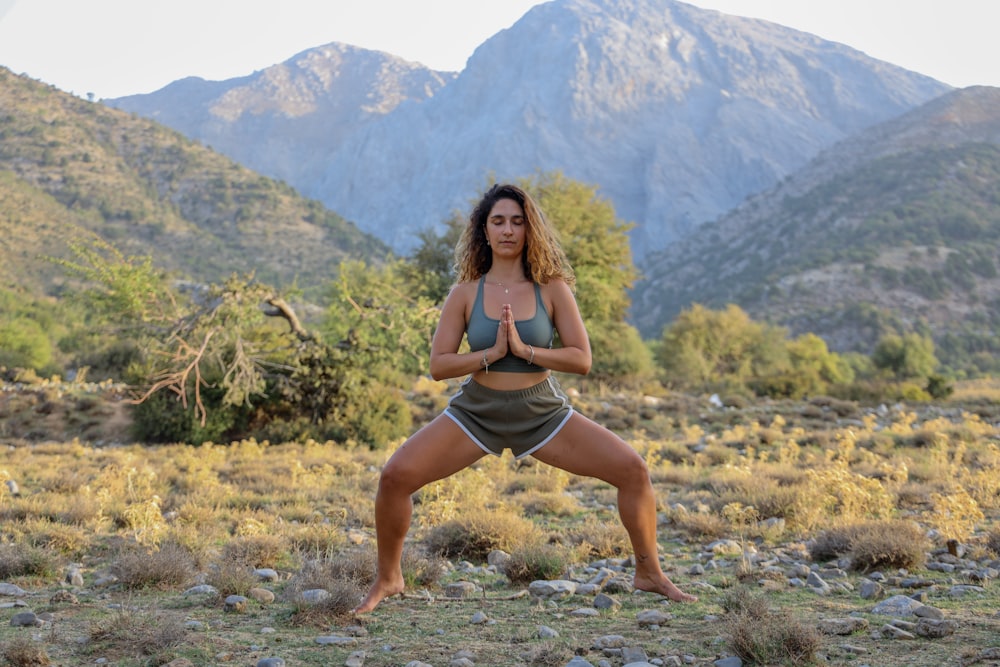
(762, 637)
(773, 639)
(169, 566)
(993, 541)
(600, 539)
(701, 525)
(533, 562)
(873, 545)
(138, 632)
(479, 532)
(899, 545)
(231, 577)
(254, 551)
(22, 560)
(339, 578)
(419, 569)
(24, 652)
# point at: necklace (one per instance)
(506, 288)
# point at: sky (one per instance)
(112, 48)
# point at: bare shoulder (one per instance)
(557, 289)
(558, 295)
(462, 296)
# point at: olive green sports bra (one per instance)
(481, 332)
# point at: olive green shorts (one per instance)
(523, 420)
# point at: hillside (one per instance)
(68, 166)
(896, 228)
(676, 113)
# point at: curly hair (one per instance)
(543, 257)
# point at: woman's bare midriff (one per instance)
(508, 381)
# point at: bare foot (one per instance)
(663, 586)
(379, 591)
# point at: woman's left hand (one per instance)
(518, 347)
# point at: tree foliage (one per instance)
(905, 357)
(595, 241)
(705, 350)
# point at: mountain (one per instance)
(897, 227)
(676, 113)
(284, 121)
(69, 167)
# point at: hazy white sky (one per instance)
(120, 47)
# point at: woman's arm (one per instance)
(574, 354)
(446, 361)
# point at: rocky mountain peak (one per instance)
(676, 113)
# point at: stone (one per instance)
(460, 589)
(634, 655)
(842, 626)
(731, 661)
(479, 618)
(926, 611)
(585, 612)
(12, 590)
(935, 629)
(314, 595)
(271, 662)
(261, 595)
(893, 632)
(497, 558)
(897, 605)
(355, 659)
(871, 590)
(603, 601)
(266, 574)
(203, 589)
(651, 617)
(334, 640)
(64, 597)
(236, 604)
(609, 641)
(552, 590)
(545, 632)
(26, 619)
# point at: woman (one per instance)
(513, 294)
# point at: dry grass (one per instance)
(135, 631)
(873, 545)
(534, 562)
(760, 636)
(478, 532)
(24, 652)
(164, 518)
(23, 560)
(165, 568)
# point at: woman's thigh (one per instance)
(436, 451)
(584, 447)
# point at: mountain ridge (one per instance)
(897, 224)
(71, 167)
(675, 113)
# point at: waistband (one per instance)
(547, 386)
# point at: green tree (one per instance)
(431, 267)
(595, 241)
(905, 357)
(24, 344)
(705, 350)
(810, 369)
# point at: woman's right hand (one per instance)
(500, 347)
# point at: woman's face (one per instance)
(506, 228)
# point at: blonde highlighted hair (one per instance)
(543, 257)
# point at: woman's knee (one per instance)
(633, 470)
(396, 478)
